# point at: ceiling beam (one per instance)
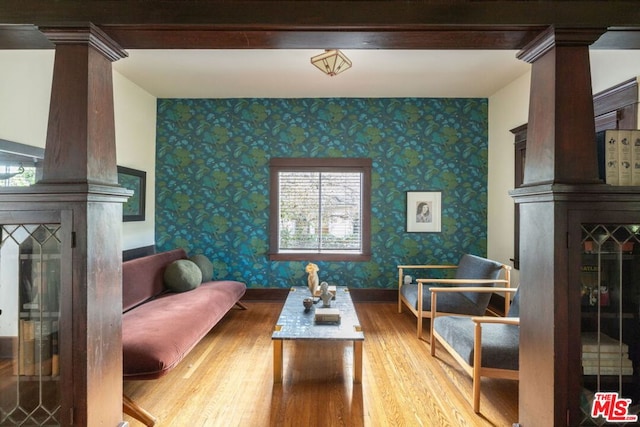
(201, 37)
(23, 37)
(327, 13)
(274, 24)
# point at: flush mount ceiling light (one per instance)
(331, 62)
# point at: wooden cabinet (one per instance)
(35, 272)
(610, 303)
(604, 279)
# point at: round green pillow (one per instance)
(205, 266)
(182, 275)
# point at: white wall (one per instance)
(25, 92)
(135, 118)
(508, 109)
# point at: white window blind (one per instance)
(320, 211)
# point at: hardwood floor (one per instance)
(227, 379)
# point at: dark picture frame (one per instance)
(136, 181)
(424, 211)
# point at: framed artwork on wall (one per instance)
(424, 211)
(136, 181)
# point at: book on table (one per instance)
(327, 315)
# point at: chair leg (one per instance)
(433, 343)
(476, 390)
(399, 290)
(434, 304)
(419, 314)
(132, 409)
(477, 361)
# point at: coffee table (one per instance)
(295, 324)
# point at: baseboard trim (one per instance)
(357, 294)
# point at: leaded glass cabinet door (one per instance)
(34, 278)
(610, 331)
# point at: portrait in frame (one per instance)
(424, 211)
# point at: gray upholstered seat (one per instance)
(499, 349)
(470, 271)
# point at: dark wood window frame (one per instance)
(279, 164)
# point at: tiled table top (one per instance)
(295, 324)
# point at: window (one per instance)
(20, 164)
(17, 175)
(320, 209)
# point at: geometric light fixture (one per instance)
(331, 62)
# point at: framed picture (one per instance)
(136, 181)
(424, 210)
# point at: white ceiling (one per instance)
(288, 73)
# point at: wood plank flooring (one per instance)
(227, 380)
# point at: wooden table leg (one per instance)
(277, 360)
(357, 362)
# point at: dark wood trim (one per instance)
(265, 294)
(357, 294)
(19, 149)
(8, 347)
(325, 163)
(607, 121)
(620, 14)
(617, 106)
(275, 24)
(618, 38)
(520, 146)
(374, 295)
(616, 97)
(305, 164)
(130, 254)
(23, 37)
(554, 37)
(417, 37)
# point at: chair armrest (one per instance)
(490, 319)
(475, 288)
(462, 281)
(428, 266)
(401, 269)
(435, 291)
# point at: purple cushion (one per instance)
(159, 333)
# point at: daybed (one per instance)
(160, 326)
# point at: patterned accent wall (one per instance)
(212, 179)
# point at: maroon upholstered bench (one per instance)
(160, 327)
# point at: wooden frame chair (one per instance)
(484, 346)
(471, 270)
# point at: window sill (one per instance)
(315, 256)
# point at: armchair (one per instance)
(470, 271)
(484, 346)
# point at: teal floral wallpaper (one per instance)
(212, 179)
